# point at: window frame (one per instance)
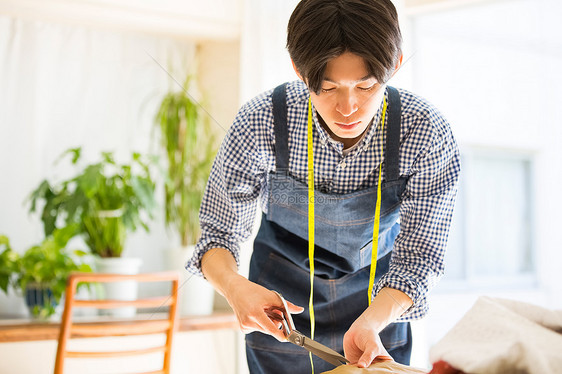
(469, 280)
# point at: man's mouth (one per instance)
(347, 125)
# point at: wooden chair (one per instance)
(136, 326)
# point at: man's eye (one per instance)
(367, 88)
(327, 89)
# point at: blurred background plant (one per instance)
(190, 149)
(41, 272)
(8, 263)
(105, 199)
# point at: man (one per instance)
(344, 52)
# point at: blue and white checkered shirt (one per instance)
(428, 155)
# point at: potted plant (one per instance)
(40, 274)
(189, 147)
(8, 263)
(106, 200)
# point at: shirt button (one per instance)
(343, 165)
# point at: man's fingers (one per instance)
(384, 355)
(271, 328)
(294, 309)
(266, 326)
(371, 353)
(263, 323)
(367, 357)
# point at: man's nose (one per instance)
(347, 104)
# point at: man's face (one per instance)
(349, 98)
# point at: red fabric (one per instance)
(441, 367)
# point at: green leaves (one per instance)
(84, 199)
(190, 149)
(74, 152)
(8, 261)
(63, 235)
(4, 242)
(46, 265)
(91, 180)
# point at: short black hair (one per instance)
(320, 30)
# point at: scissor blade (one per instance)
(325, 353)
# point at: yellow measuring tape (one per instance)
(311, 225)
(374, 253)
(311, 221)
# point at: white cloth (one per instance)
(503, 336)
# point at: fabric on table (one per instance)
(377, 367)
(503, 336)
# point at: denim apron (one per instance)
(343, 240)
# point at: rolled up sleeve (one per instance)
(417, 261)
(228, 208)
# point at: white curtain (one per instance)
(65, 86)
(264, 60)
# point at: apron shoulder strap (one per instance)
(392, 163)
(279, 99)
(392, 159)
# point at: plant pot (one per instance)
(12, 304)
(40, 301)
(196, 295)
(127, 290)
(105, 233)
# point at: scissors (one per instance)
(293, 336)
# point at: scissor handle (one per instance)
(276, 314)
(281, 314)
(286, 313)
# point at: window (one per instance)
(491, 236)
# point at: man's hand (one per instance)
(362, 344)
(250, 301)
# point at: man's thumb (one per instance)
(366, 358)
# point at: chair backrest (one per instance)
(136, 326)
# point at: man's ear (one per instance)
(398, 64)
(296, 70)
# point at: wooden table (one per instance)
(202, 344)
(20, 330)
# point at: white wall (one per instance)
(265, 62)
(66, 85)
(493, 69)
(191, 19)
